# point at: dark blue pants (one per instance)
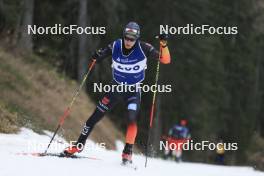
(109, 100)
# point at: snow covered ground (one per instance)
(13, 163)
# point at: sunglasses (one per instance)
(129, 39)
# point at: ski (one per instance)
(60, 155)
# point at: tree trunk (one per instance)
(83, 21)
(25, 40)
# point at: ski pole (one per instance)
(152, 107)
(67, 111)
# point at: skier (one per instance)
(180, 131)
(178, 134)
(129, 61)
(220, 153)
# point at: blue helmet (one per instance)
(132, 30)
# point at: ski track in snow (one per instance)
(12, 164)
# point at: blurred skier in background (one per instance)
(220, 153)
(178, 135)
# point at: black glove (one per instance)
(96, 54)
(163, 40)
(163, 36)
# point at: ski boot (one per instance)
(71, 150)
(127, 154)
